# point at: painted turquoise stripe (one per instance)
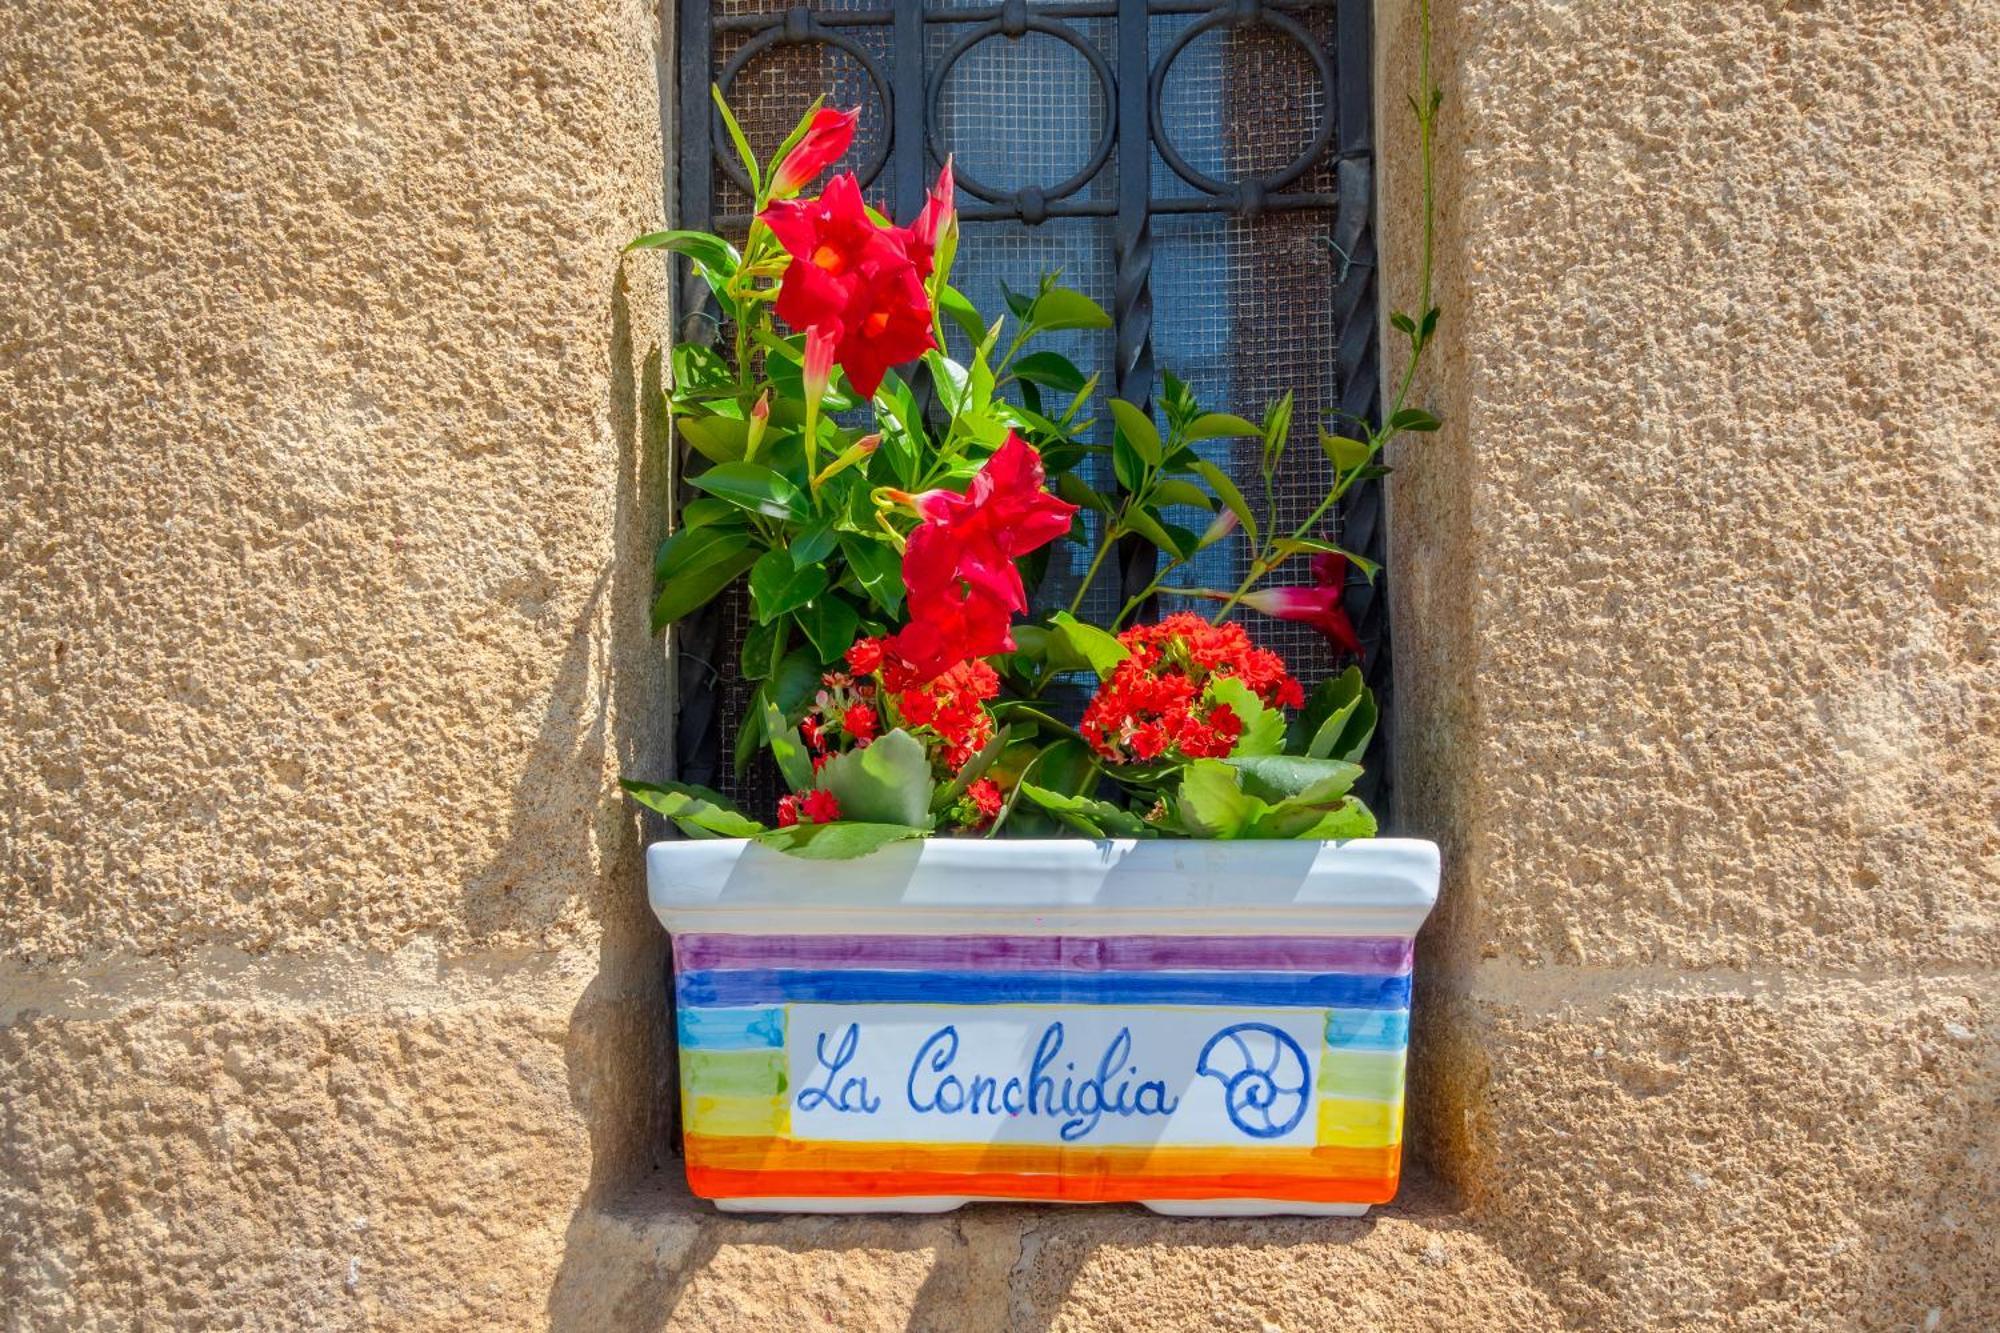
(870, 986)
(1368, 1029)
(731, 1029)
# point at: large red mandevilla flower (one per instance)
(855, 281)
(1157, 703)
(958, 565)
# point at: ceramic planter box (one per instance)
(1206, 1028)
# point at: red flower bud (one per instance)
(828, 137)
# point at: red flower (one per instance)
(865, 657)
(959, 563)
(852, 279)
(825, 140)
(788, 811)
(980, 805)
(1316, 604)
(860, 722)
(1157, 703)
(985, 794)
(952, 708)
(820, 807)
(938, 213)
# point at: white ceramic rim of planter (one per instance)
(1365, 886)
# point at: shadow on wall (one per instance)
(576, 844)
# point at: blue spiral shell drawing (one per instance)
(1264, 1075)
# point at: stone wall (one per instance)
(1696, 613)
(331, 484)
(327, 994)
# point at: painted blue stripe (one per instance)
(1368, 1029)
(731, 1029)
(865, 986)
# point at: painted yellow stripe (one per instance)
(1362, 1075)
(734, 1073)
(1346, 1122)
(736, 1117)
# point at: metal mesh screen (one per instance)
(1239, 257)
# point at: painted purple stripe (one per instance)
(1372, 955)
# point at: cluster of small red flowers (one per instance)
(843, 716)
(811, 807)
(980, 805)
(950, 707)
(1157, 703)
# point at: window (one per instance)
(1201, 169)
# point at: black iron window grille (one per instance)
(1202, 169)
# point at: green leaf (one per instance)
(1211, 801)
(690, 548)
(889, 782)
(1173, 491)
(1061, 308)
(1221, 426)
(1263, 728)
(1349, 819)
(841, 841)
(749, 732)
(1344, 453)
(1076, 646)
(719, 439)
(831, 623)
(1075, 490)
(715, 259)
(750, 164)
(1358, 731)
(786, 747)
(814, 542)
(975, 768)
(707, 511)
(962, 313)
(1051, 370)
(1148, 525)
(795, 681)
(1413, 418)
(699, 812)
(712, 250)
(1139, 430)
(1014, 710)
(1314, 546)
(693, 587)
(1403, 323)
(778, 586)
(1089, 816)
(1227, 492)
(754, 487)
(878, 569)
(1126, 465)
(1283, 778)
(764, 648)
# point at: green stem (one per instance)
(1111, 534)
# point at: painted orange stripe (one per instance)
(717, 1183)
(772, 1166)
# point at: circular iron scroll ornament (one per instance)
(1243, 14)
(798, 29)
(1013, 24)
